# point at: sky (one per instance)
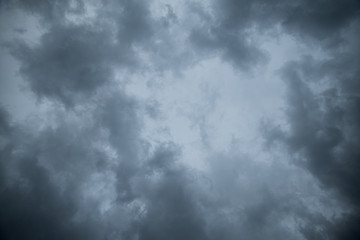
(182, 119)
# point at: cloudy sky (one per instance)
(179, 119)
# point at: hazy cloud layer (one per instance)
(136, 134)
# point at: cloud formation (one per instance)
(323, 131)
(104, 75)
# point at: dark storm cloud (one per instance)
(324, 129)
(73, 59)
(321, 19)
(134, 21)
(30, 206)
(226, 35)
(4, 121)
(226, 28)
(323, 116)
(42, 192)
(45, 171)
(70, 62)
(5, 130)
(173, 211)
(37, 210)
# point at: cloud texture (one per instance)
(144, 123)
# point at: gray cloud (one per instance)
(47, 173)
(73, 59)
(85, 170)
(321, 19)
(226, 28)
(226, 33)
(49, 11)
(255, 201)
(323, 125)
(70, 63)
(173, 211)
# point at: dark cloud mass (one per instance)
(70, 63)
(227, 26)
(324, 130)
(323, 123)
(84, 164)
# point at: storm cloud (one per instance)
(179, 119)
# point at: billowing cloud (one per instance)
(228, 26)
(145, 120)
(323, 129)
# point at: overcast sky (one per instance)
(179, 119)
